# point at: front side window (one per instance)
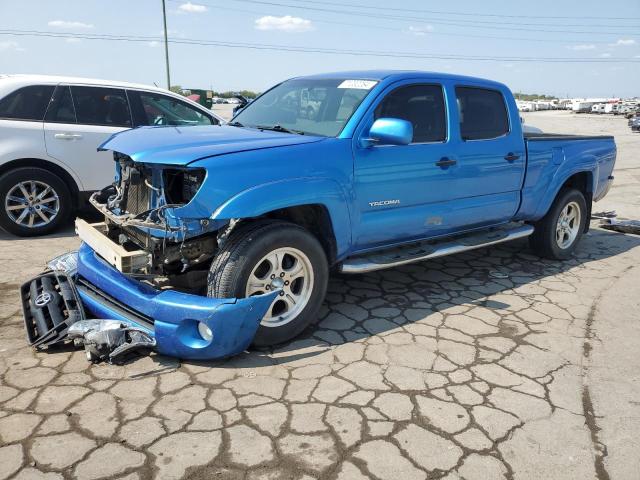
(483, 113)
(422, 106)
(27, 103)
(309, 106)
(101, 106)
(164, 110)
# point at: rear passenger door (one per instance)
(490, 153)
(78, 120)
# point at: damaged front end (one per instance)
(112, 314)
(148, 209)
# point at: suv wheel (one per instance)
(557, 234)
(33, 201)
(264, 257)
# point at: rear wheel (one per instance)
(557, 234)
(33, 201)
(264, 257)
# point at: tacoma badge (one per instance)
(384, 203)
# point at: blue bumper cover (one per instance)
(171, 316)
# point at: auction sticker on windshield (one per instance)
(358, 84)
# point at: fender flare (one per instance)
(560, 178)
(268, 197)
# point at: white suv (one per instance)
(50, 128)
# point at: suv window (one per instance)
(101, 106)
(157, 109)
(422, 105)
(26, 103)
(483, 113)
(61, 108)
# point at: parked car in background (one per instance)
(395, 168)
(50, 129)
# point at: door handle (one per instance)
(67, 136)
(510, 157)
(446, 162)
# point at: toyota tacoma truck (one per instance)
(218, 237)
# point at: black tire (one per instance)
(543, 240)
(240, 254)
(25, 174)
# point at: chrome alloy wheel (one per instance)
(32, 204)
(289, 270)
(568, 225)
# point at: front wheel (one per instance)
(557, 234)
(270, 256)
(34, 201)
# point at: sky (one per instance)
(534, 47)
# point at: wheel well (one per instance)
(583, 182)
(580, 181)
(52, 167)
(316, 219)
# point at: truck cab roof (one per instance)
(395, 75)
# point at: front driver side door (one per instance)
(401, 190)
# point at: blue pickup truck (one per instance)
(222, 236)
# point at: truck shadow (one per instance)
(379, 303)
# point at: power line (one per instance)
(432, 21)
(322, 50)
(465, 14)
(425, 32)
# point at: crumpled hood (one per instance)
(183, 145)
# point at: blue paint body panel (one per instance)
(375, 196)
(175, 314)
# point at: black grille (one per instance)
(50, 305)
(138, 198)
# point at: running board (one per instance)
(426, 250)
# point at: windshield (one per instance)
(307, 106)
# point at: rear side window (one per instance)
(101, 106)
(27, 103)
(422, 105)
(483, 113)
(61, 108)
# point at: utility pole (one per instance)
(166, 43)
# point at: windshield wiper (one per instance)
(279, 128)
(235, 124)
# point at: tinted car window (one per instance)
(422, 105)
(61, 108)
(158, 109)
(483, 113)
(101, 106)
(27, 103)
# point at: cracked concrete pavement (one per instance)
(486, 365)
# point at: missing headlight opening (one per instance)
(137, 210)
(180, 186)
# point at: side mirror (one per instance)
(390, 131)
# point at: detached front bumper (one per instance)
(172, 317)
